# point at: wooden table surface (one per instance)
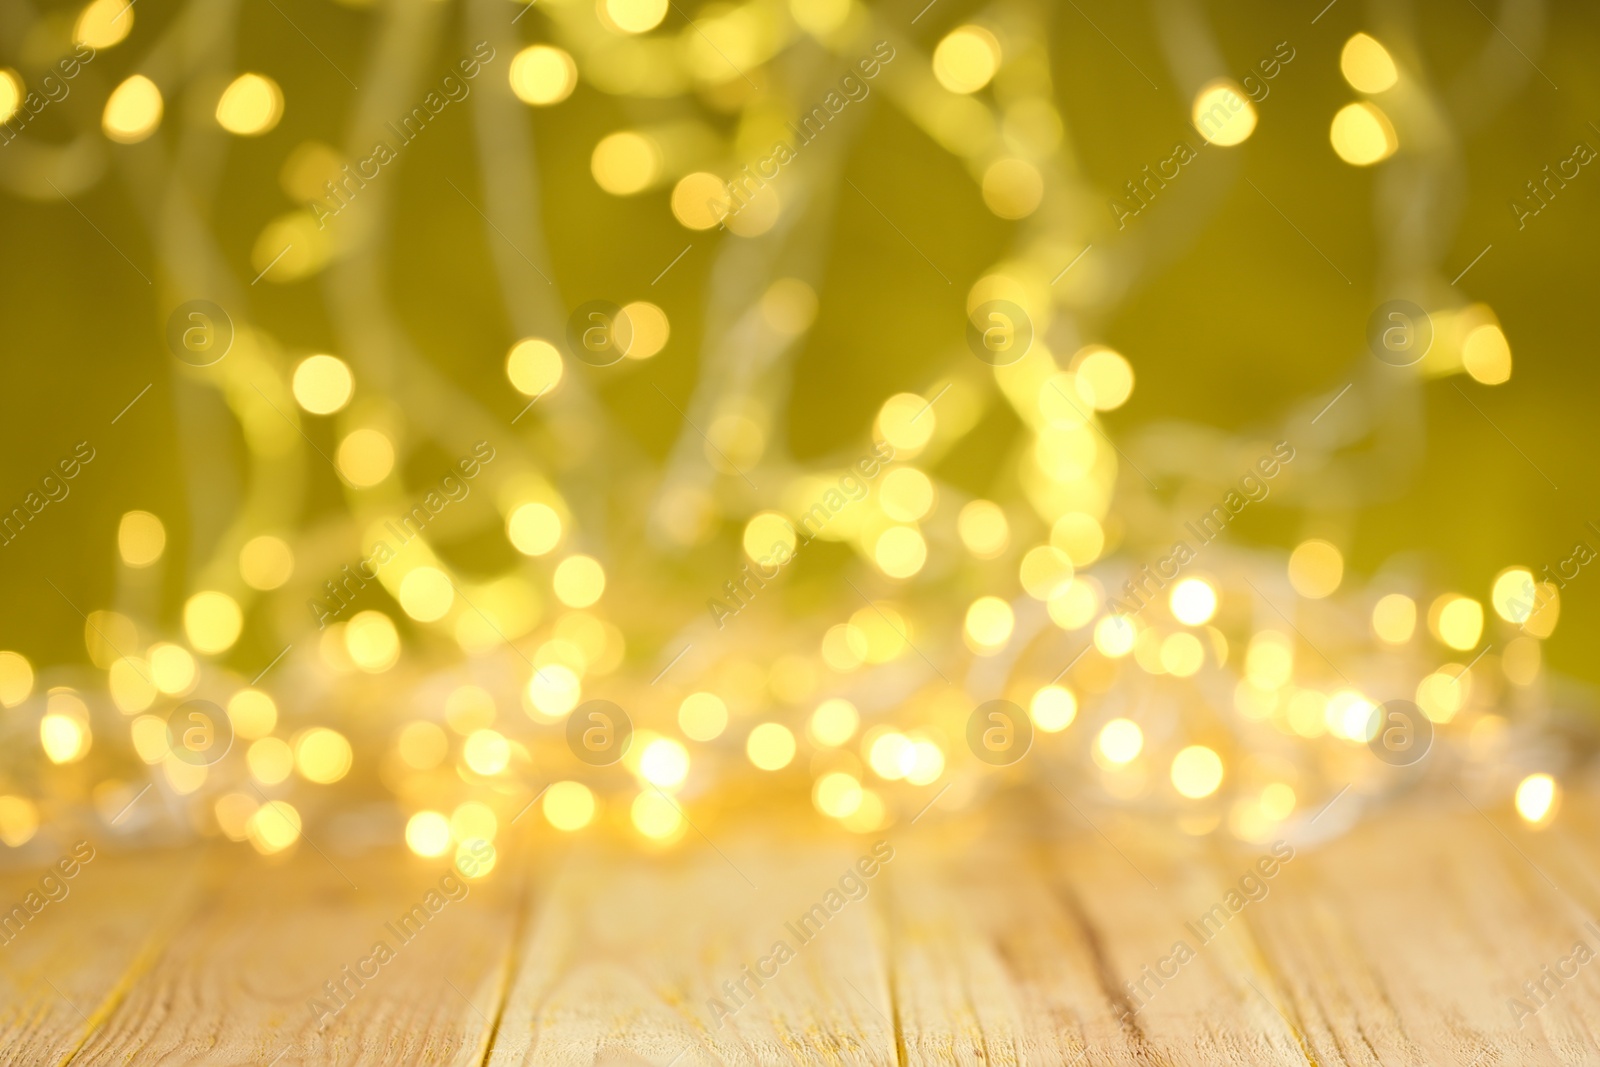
(1405, 941)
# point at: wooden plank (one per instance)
(1436, 919)
(1404, 942)
(237, 983)
(623, 961)
(65, 971)
(987, 969)
(1176, 940)
(1018, 952)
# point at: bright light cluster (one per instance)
(873, 596)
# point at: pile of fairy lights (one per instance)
(1239, 698)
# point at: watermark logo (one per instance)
(599, 732)
(1399, 733)
(199, 732)
(999, 733)
(199, 332)
(850, 488)
(1146, 584)
(599, 333)
(1543, 987)
(1251, 888)
(52, 888)
(452, 888)
(341, 590)
(753, 178)
(999, 332)
(852, 886)
(1400, 333)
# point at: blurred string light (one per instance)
(966, 59)
(1536, 798)
(1367, 65)
(323, 384)
(1223, 114)
(1362, 134)
(569, 806)
(543, 75)
(250, 106)
(266, 562)
(476, 677)
(133, 111)
(10, 93)
(104, 23)
(141, 538)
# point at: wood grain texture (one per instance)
(237, 982)
(68, 968)
(1406, 943)
(1018, 952)
(1053, 942)
(629, 958)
